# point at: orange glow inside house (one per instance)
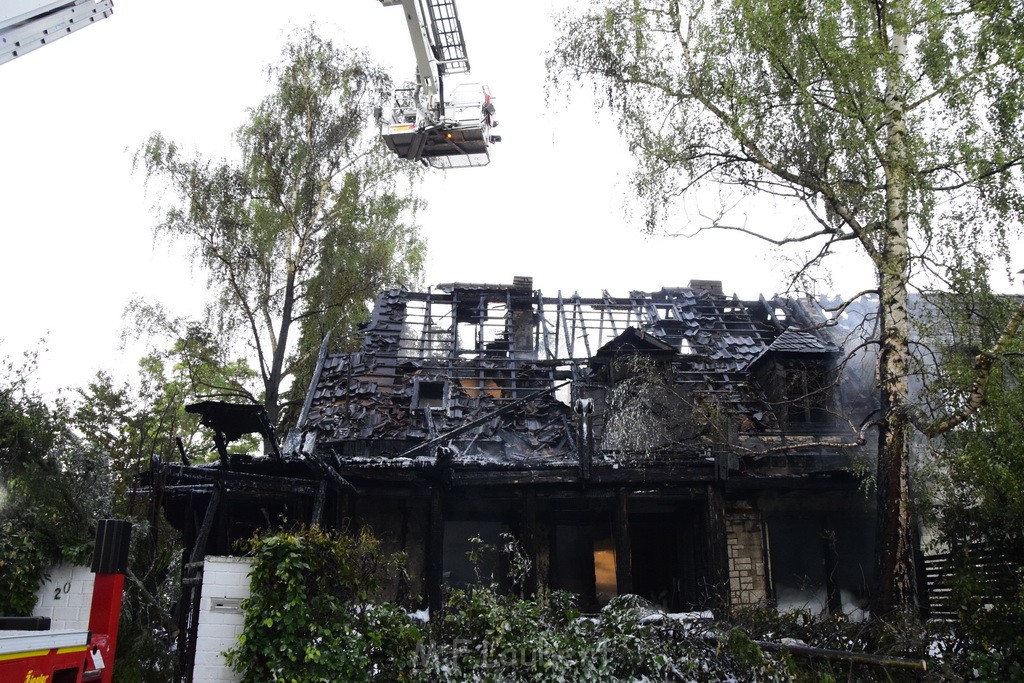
(604, 571)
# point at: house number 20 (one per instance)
(66, 589)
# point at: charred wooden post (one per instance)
(831, 554)
(623, 551)
(343, 510)
(318, 504)
(192, 584)
(528, 535)
(717, 585)
(434, 574)
(222, 448)
(199, 549)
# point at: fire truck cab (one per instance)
(31, 653)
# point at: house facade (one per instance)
(696, 449)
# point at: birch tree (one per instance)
(313, 221)
(894, 123)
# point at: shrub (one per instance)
(315, 613)
(483, 635)
(22, 566)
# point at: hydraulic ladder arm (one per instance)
(425, 123)
(29, 24)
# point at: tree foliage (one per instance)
(894, 123)
(139, 420)
(52, 488)
(975, 482)
(130, 424)
(312, 221)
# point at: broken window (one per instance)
(821, 563)
(667, 556)
(808, 393)
(583, 561)
(429, 394)
(471, 553)
(801, 392)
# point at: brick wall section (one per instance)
(225, 585)
(66, 597)
(747, 585)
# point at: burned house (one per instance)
(684, 445)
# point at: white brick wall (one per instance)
(747, 584)
(66, 597)
(225, 585)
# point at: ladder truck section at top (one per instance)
(440, 121)
(29, 24)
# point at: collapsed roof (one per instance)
(491, 372)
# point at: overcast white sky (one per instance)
(76, 225)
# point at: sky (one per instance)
(76, 224)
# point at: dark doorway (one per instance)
(821, 562)
(471, 553)
(583, 560)
(668, 557)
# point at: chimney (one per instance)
(523, 319)
(713, 287)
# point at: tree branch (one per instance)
(977, 396)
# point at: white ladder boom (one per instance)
(47, 22)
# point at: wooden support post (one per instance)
(318, 504)
(222, 448)
(199, 549)
(717, 580)
(528, 535)
(435, 551)
(623, 560)
(341, 511)
(831, 552)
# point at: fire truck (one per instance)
(31, 653)
(442, 125)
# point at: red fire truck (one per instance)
(31, 654)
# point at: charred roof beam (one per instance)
(483, 419)
(230, 421)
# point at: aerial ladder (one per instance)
(29, 24)
(442, 124)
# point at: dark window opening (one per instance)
(666, 553)
(471, 554)
(801, 392)
(428, 394)
(821, 563)
(808, 393)
(583, 562)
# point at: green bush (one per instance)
(483, 635)
(23, 565)
(317, 614)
